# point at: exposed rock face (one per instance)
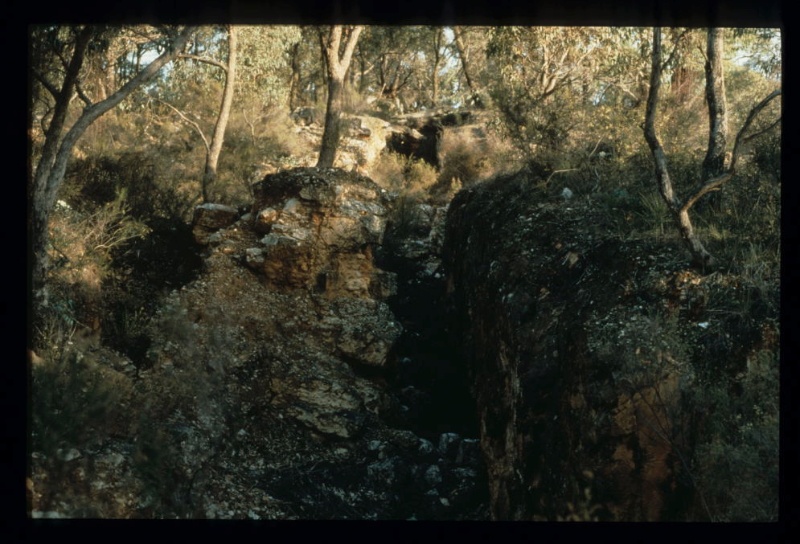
(424, 144)
(579, 354)
(363, 139)
(211, 217)
(264, 394)
(320, 229)
(310, 237)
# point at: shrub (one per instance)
(73, 401)
(151, 195)
(82, 245)
(736, 463)
(420, 178)
(389, 171)
(406, 175)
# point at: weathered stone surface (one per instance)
(577, 352)
(253, 373)
(321, 227)
(424, 144)
(211, 217)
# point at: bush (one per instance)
(406, 175)
(73, 401)
(736, 464)
(94, 182)
(466, 159)
(82, 247)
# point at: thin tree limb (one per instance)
(81, 94)
(188, 121)
(741, 139)
(715, 183)
(46, 84)
(206, 60)
(91, 113)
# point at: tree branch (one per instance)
(674, 49)
(711, 185)
(763, 131)
(662, 173)
(740, 137)
(46, 84)
(50, 151)
(193, 124)
(205, 60)
(716, 182)
(82, 95)
(91, 113)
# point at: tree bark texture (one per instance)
(337, 65)
(212, 157)
(700, 256)
(463, 54)
(333, 114)
(714, 162)
(294, 88)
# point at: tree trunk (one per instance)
(437, 57)
(714, 162)
(294, 88)
(700, 256)
(50, 170)
(212, 157)
(337, 70)
(333, 114)
(463, 54)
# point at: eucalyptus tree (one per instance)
(715, 172)
(389, 55)
(213, 145)
(338, 54)
(538, 71)
(438, 53)
(470, 43)
(266, 74)
(58, 71)
(223, 63)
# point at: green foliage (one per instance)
(406, 175)
(93, 182)
(767, 156)
(73, 401)
(549, 76)
(467, 159)
(264, 63)
(736, 462)
(389, 170)
(82, 246)
(653, 214)
(420, 177)
(270, 137)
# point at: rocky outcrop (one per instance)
(423, 143)
(580, 349)
(363, 139)
(320, 229)
(263, 393)
(211, 217)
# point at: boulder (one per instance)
(424, 143)
(320, 230)
(578, 359)
(209, 218)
